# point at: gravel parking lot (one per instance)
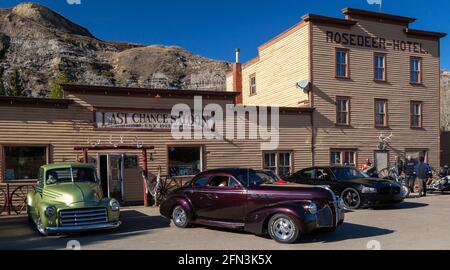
(420, 223)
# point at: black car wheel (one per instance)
(283, 229)
(179, 217)
(351, 197)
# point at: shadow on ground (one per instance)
(17, 233)
(346, 231)
(404, 205)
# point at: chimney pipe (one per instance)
(237, 54)
(237, 78)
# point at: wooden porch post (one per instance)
(85, 156)
(145, 169)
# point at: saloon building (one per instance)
(363, 87)
(124, 131)
(371, 78)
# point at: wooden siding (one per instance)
(282, 64)
(65, 129)
(362, 88)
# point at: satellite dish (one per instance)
(304, 85)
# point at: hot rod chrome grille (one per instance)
(83, 217)
(325, 217)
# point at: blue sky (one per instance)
(213, 28)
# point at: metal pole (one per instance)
(8, 205)
(145, 173)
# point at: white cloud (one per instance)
(372, 2)
(74, 2)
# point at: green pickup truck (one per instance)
(68, 199)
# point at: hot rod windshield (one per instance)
(66, 175)
(251, 178)
(348, 173)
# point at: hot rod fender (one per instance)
(256, 222)
(168, 205)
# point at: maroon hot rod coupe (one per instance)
(241, 199)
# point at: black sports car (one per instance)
(356, 188)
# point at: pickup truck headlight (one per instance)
(50, 211)
(368, 190)
(311, 208)
(115, 206)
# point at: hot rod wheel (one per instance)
(283, 229)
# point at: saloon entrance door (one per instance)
(381, 160)
(111, 170)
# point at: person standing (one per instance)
(409, 168)
(422, 172)
(398, 164)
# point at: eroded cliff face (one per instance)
(40, 42)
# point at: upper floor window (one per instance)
(342, 63)
(416, 114)
(416, 70)
(380, 67)
(381, 117)
(343, 111)
(253, 84)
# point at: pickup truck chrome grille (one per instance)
(325, 217)
(83, 217)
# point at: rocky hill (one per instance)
(40, 43)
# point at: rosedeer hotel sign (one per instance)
(366, 41)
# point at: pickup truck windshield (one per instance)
(68, 175)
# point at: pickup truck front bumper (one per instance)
(83, 228)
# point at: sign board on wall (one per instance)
(150, 120)
(372, 42)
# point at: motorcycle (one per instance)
(441, 185)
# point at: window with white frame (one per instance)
(343, 157)
(342, 63)
(380, 67)
(278, 162)
(253, 84)
(416, 114)
(416, 70)
(343, 111)
(381, 119)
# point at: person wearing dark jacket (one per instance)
(422, 172)
(409, 168)
(399, 165)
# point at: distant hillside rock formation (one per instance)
(40, 43)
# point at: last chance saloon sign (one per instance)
(148, 120)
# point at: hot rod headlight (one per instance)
(114, 205)
(50, 211)
(368, 190)
(311, 208)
